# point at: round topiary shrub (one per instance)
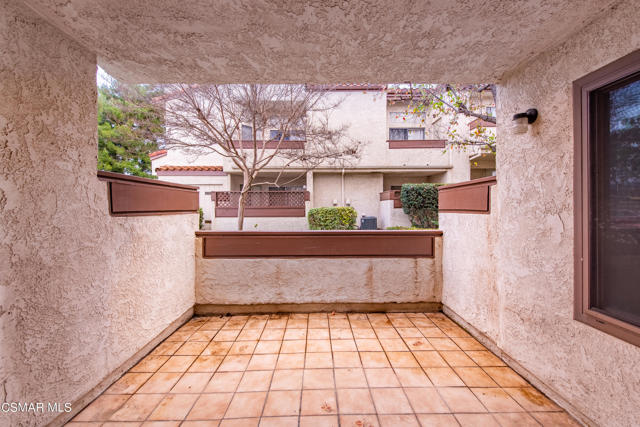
(420, 203)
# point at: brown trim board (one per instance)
(467, 197)
(416, 143)
(305, 244)
(135, 196)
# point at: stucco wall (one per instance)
(80, 291)
(597, 374)
(362, 190)
(318, 280)
(388, 216)
(262, 224)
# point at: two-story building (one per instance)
(398, 147)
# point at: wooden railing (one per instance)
(392, 195)
(261, 203)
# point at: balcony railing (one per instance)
(392, 195)
(261, 203)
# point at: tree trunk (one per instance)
(246, 187)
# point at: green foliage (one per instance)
(338, 218)
(201, 219)
(129, 128)
(401, 227)
(420, 203)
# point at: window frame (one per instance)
(583, 144)
(407, 129)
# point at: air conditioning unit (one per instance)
(368, 223)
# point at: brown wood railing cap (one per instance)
(323, 232)
(120, 177)
(489, 180)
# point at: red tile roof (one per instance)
(189, 168)
(157, 154)
(347, 86)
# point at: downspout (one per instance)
(342, 191)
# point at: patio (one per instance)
(319, 369)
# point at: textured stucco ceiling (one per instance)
(329, 41)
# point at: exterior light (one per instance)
(348, 202)
(335, 202)
(521, 121)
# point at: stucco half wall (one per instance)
(81, 291)
(316, 280)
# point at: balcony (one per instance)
(261, 203)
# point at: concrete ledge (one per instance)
(81, 403)
(207, 309)
(521, 370)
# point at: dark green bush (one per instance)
(339, 218)
(420, 203)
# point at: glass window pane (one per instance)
(247, 133)
(415, 134)
(615, 201)
(397, 134)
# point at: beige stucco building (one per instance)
(397, 146)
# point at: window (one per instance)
(406, 134)
(247, 133)
(490, 111)
(406, 118)
(607, 115)
(294, 135)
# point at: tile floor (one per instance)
(319, 369)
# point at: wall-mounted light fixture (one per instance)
(521, 121)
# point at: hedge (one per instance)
(420, 203)
(338, 218)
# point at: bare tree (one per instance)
(210, 118)
(451, 102)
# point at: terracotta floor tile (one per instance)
(258, 324)
(279, 421)
(412, 377)
(468, 344)
(380, 322)
(293, 346)
(318, 346)
(409, 332)
(174, 407)
(457, 358)
(476, 420)
(255, 381)
(249, 335)
(318, 334)
(346, 359)
(240, 422)
(318, 421)
(531, 399)
(555, 419)
(386, 333)
(167, 348)
(276, 323)
(280, 403)
(290, 361)
(204, 336)
(475, 377)
(341, 334)
(318, 360)
(430, 359)
(261, 362)
(177, 364)
(390, 401)
(179, 336)
(246, 405)
(350, 378)
(137, 408)
(444, 344)
(210, 406)
(461, 399)
(192, 383)
(437, 420)
(297, 324)
(339, 323)
(150, 364)
(343, 345)
(360, 324)
(402, 359)
(224, 382)
(485, 358)
(505, 377)
(318, 379)
(226, 335)
(234, 363)
(401, 322)
(418, 344)
(118, 424)
(287, 379)
(129, 383)
(496, 400)
(364, 333)
(268, 347)
(160, 382)
(520, 419)
(318, 402)
(217, 348)
(170, 424)
(443, 377)
(431, 332)
(393, 344)
(455, 332)
(368, 344)
(426, 400)
(368, 420)
(318, 324)
(295, 334)
(422, 322)
(243, 347)
(355, 401)
(272, 335)
(377, 359)
(206, 364)
(398, 420)
(102, 408)
(381, 377)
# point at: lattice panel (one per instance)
(261, 199)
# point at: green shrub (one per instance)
(420, 203)
(201, 220)
(402, 227)
(339, 218)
